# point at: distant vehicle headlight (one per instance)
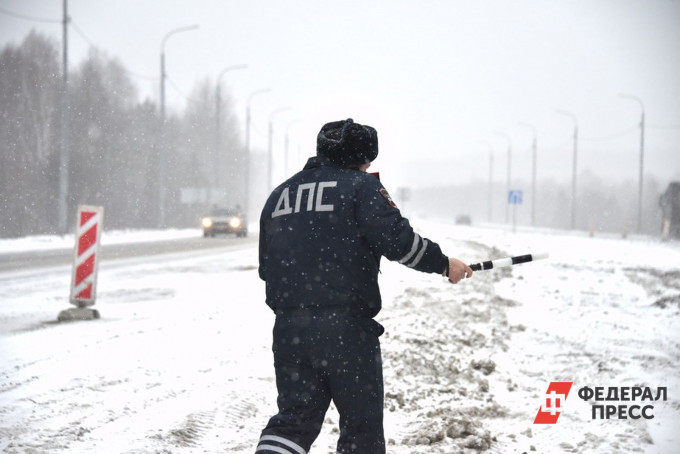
(206, 223)
(235, 223)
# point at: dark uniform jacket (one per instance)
(322, 234)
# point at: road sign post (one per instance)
(515, 198)
(85, 263)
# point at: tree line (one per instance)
(114, 145)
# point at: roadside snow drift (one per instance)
(180, 360)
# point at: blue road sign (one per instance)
(515, 197)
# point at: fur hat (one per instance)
(347, 143)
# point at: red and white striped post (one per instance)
(84, 276)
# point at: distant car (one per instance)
(224, 220)
(463, 219)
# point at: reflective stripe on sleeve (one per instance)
(419, 256)
(414, 249)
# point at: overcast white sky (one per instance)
(438, 78)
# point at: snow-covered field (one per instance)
(180, 361)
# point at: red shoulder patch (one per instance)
(385, 194)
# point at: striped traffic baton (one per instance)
(508, 261)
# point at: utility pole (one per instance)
(490, 184)
(489, 196)
(163, 151)
(220, 161)
(642, 158)
(533, 173)
(64, 166)
(285, 159)
(573, 172)
(270, 159)
(247, 182)
(508, 176)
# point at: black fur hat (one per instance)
(347, 143)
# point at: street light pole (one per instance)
(220, 167)
(490, 188)
(269, 152)
(533, 173)
(642, 156)
(508, 177)
(573, 173)
(64, 157)
(285, 166)
(247, 179)
(161, 167)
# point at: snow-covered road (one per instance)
(180, 361)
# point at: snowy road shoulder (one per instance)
(180, 361)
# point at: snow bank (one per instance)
(180, 361)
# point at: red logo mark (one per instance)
(554, 399)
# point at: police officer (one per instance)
(322, 234)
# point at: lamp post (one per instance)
(247, 182)
(573, 174)
(508, 176)
(490, 188)
(642, 156)
(269, 152)
(533, 172)
(64, 148)
(285, 166)
(161, 167)
(220, 167)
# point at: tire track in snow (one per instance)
(231, 422)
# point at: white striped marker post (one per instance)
(509, 261)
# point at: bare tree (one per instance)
(29, 78)
(114, 143)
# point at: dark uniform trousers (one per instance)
(318, 358)
(322, 235)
